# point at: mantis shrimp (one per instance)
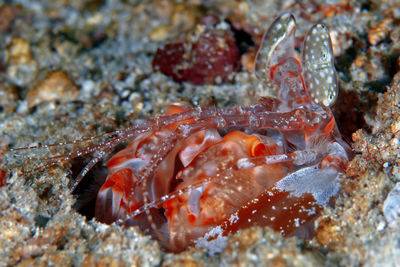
(195, 171)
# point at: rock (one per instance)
(7, 15)
(8, 97)
(57, 85)
(211, 56)
(21, 66)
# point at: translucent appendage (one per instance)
(276, 46)
(318, 66)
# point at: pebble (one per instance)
(8, 97)
(57, 85)
(21, 66)
(379, 32)
(391, 206)
(7, 15)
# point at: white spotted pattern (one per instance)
(319, 70)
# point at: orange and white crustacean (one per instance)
(194, 172)
(275, 163)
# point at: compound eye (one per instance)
(318, 66)
(276, 46)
